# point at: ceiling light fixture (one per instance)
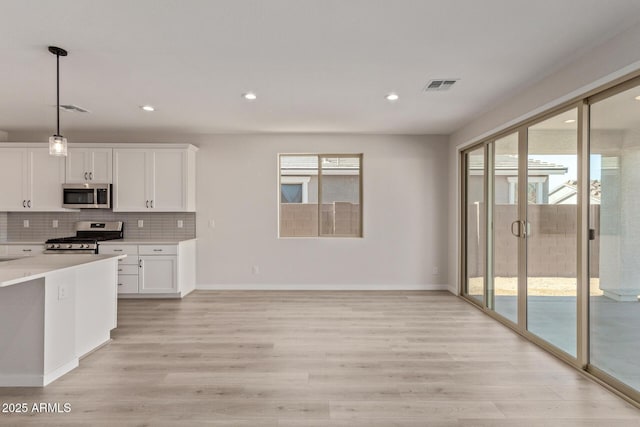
(57, 142)
(392, 97)
(148, 108)
(570, 121)
(250, 96)
(637, 98)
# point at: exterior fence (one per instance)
(551, 242)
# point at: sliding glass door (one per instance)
(551, 230)
(615, 246)
(475, 230)
(530, 275)
(552, 220)
(503, 281)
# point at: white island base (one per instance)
(54, 309)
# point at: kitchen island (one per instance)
(54, 309)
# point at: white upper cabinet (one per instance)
(154, 180)
(89, 165)
(30, 180)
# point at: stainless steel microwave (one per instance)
(86, 196)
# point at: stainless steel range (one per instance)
(87, 238)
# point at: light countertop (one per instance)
(22, 242)
(145, 242)
(18, 270)
(107, 242)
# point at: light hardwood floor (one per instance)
(304, 358)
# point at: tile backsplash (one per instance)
(155, 225)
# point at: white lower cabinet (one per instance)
(158, 274)
(154, 270)
(127, 267)
(24, 250)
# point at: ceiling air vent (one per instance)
(73, 108)
(439, 84)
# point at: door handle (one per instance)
(29, 203)
(152, 204)
(91, 176)
(519, 233)
(85, 176)
(24, 203)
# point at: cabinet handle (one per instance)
(26, 250)
(85, 176)
(24, 203)
(147, 203)
(29, 203)
(157, 250)
(119, 284)
(117, 250)
(91, 176)
(119, 269)
(140, 263)
(152, 204)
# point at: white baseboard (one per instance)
(57, 373)
(319, 287)
(35, 380)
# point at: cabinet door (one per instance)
(77, 165)
(13, 179)
(158, 274)
(130, 180)
(169, 192)
(45, 180)
(100, 165)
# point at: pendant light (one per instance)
(57, 142)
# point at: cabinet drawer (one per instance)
(119, 250)
(128, 284)
(127, 269)
(158, 249)
(25, 250)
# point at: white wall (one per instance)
(613, 59)
(405, 215)
(405, 211)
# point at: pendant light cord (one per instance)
(58, 91)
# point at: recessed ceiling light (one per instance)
(148, 108)
(392, 97)
(249, 96)
(570, 121)
(637, 98)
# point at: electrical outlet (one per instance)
(62, 292)
(25, 223)
(180, 223)
(255, 269)
(54, 223)
(140, 223)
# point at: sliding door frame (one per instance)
(583, 102)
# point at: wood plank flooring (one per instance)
(240, 358)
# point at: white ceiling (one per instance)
(316, 66)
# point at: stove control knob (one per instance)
(50, 246)
(69, 246)
(57, 246)
(84, 246)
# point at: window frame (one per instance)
(319, 157)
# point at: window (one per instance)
(320, 195)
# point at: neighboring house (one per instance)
(506, 178)
(299, 179)
(567, 193)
